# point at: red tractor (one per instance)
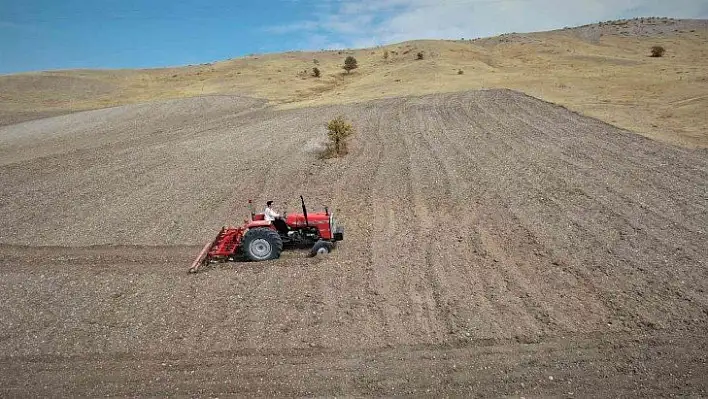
(259, 239)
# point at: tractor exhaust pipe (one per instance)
(304, 211)
(250, 208)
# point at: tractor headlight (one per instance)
(337, 232)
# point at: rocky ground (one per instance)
(495, 245)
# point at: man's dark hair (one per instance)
(269, 203)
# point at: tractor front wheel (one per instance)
(262, 244)
(321, 248)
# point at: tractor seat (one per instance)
(281, 226)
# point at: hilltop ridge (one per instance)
(601, 70)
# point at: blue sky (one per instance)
(67, 34)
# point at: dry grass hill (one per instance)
(601, 70)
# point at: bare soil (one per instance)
(495, 245)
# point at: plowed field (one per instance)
(495, 245)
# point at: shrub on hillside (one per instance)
(350, 63)
(657, 51)
(316, 72)
(385, 54)
(419, 56)
(338, 130)
(460, 72)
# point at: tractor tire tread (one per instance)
(320, 244)
(263, 233)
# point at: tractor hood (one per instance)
(314, 219)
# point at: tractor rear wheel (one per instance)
(262, 244)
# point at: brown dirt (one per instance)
(495, 245)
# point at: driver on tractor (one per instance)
(277, 219)
(270, 213)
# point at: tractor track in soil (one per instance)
(492, 241)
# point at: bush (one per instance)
(385, 54)
(350, 63)
(316, 61)
(460, 72)
(657, 51)
(316, 72)
(338, 130)
(419, 56)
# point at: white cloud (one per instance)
(322, 42)
(372, 22)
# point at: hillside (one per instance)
(495, 245)
(602, 70)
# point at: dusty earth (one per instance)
(495, 245)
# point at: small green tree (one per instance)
(316, 72)
(338, 129)
(350, 64)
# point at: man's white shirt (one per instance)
(270, 214)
